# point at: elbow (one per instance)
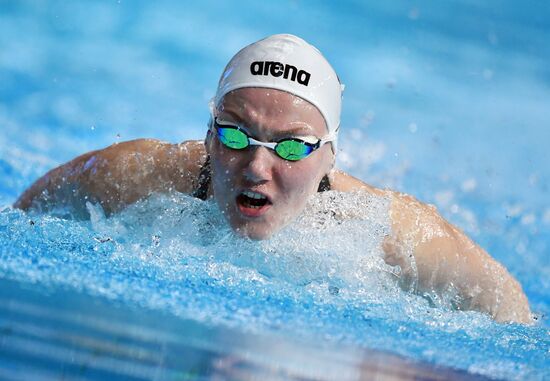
(25, 200)
(21, 204)
(514, 306)
(521, 315)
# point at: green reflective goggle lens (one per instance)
(293, 149)
(232, 137)
(289, 149)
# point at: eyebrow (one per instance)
(231, 113)
(304, 130)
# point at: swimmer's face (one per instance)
(281, 188)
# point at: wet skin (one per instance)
(431, 254)
(266, 116)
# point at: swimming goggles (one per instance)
(292, 149)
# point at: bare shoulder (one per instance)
(118, 175)
(184, 163)
(344, 182)
(407, 214)
(157, 150)
(405, 210)
(417, 219)
(140, 167)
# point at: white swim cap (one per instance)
(286, 62)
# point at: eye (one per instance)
(293, 150)
(232, 137)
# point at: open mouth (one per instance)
(253, 204)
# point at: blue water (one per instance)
(448, 102)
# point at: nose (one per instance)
(259, 168)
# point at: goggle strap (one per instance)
(327, 139)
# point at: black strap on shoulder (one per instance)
(324, 185)
(203, 181)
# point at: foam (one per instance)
(321, 276)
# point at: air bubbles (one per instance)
(413, 128)
(323, 274)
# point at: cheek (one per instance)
(225, 168)
(301, 179)
(306, 175)
(224, 162)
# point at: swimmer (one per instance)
(270, 145)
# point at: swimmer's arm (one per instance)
(444, 257)
(435, 256)
(117, 176)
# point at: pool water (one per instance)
(445, 102)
